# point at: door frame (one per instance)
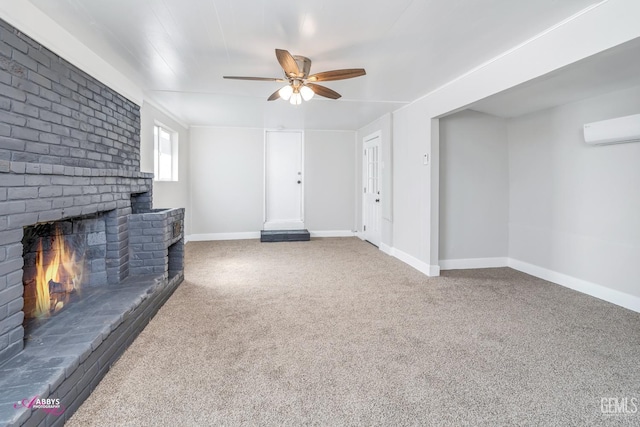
(264, 173)
(372, 136)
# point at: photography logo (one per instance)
(50, 406)
(619, 405)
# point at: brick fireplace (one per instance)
(70, 184)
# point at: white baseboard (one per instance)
(256, 235)
(423, 267)
(463, 264)
(332, 233)
(224, 236)
(598, 291)
(386, 248)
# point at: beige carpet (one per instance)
(334, 332)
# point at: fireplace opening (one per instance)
(61, 259)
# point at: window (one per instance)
(165, 154)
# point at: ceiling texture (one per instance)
(178, 50)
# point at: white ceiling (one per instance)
(612, 70)
(177, 51)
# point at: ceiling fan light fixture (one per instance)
(306, 92)
(286, 92)
(296, 98)
(302, 86)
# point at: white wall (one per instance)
(166, 194)
(575, 209)
(227, 166)
(415, 185)
(227, 188)
(329, 174)
(474, 193)
(408, 183)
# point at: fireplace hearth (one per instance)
(85, 262)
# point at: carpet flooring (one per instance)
(333, 332)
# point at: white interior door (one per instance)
(371, 212)
(283, 181)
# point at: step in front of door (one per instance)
(284, 236)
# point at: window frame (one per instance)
(159, 172)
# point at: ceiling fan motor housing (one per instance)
(304, 66)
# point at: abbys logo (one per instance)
(50, 406)
(619, 405)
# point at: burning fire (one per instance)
(58, 279)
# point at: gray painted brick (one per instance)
(11, 294)
(23, 219)
(65, 92)
(24, 109)
(49, 116)
(37, 180)
(38, 101)
(61, 109)
(14, 41)
(37, 147)
(25, 133)
(13, 93)
(50, 138)
(21, 193)
(76, 77)
(38, 205)
(74, 105)
(12, 207)
(14, 279)
(39, 79)
(12, 308)
(39, 125)
(57, 150)
(50, 215)
(25, 85)
(11, 322)
(19, 160)
(50, 191)
(12, 119)
(13, 180)
(8, 237)
(50, 95)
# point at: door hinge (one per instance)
(365, 228)
(365, 190)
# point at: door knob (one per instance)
(299, 182)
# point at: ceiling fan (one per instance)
(301, 85)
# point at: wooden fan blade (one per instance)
(287, 62)
(261, 79)
(324, 91)
(275, 95)
(326, 76)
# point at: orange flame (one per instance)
(56, 280)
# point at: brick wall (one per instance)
(69, 147)
(53, 113)
(150, 237)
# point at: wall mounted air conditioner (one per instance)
(614, 131)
